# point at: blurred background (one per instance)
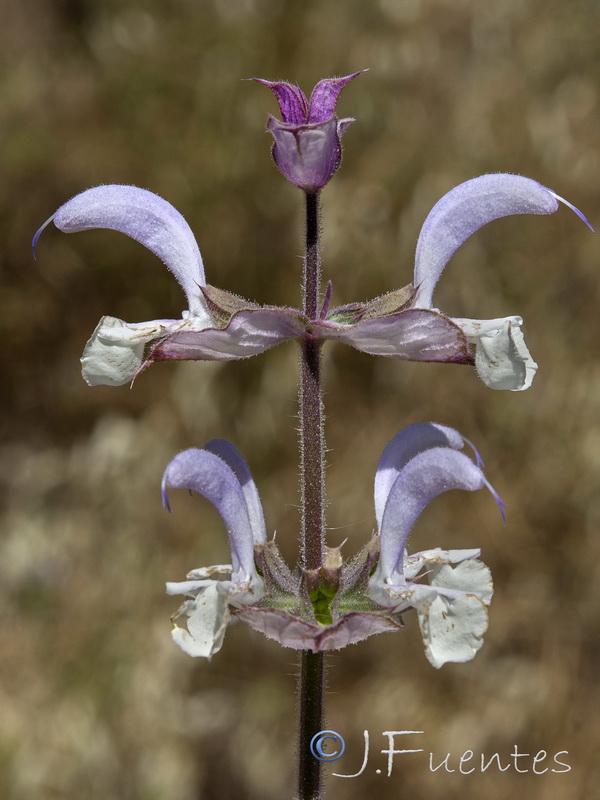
(95, 699)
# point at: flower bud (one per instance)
(307, 147)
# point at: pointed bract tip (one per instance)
(359, 72)
(579, 213)
(326, 301)
(264, 81)
(38, 233)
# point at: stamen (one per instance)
(501, 504)
(573, 208)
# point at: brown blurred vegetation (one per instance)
(95, 700)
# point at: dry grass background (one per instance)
(95, 700)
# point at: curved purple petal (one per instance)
(412, 335)
(405, 445)
(464, 210)
(204, 472)
(427, 475)
(234, 459)
(147, 218)
(325, 96)
(248, 333)
(292, 100)
(300, 634)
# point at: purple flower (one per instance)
(220, 326)
(416, 331)
(339, 604)
(215, 326)
(219, 473)
(307, 147)
(421, 462)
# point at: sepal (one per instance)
(388, 303)
(223, 305)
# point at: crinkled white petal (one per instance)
(452, 630)
(208, 572)
(207, 618)
(502, 359)
(474, 328)
(191, 588)
(109, 362)
(470, 576)
(115, 350)
(246, 593)
(451, 608)
(238, 593)
(414, 563)
(208, 610)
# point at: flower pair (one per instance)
(339, 604)
(220, 326)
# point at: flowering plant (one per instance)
(323, 603)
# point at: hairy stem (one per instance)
(312, 438)
(312, 677)
(312, 471)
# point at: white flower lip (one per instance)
(502, 359)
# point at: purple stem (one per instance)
(312, 471)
